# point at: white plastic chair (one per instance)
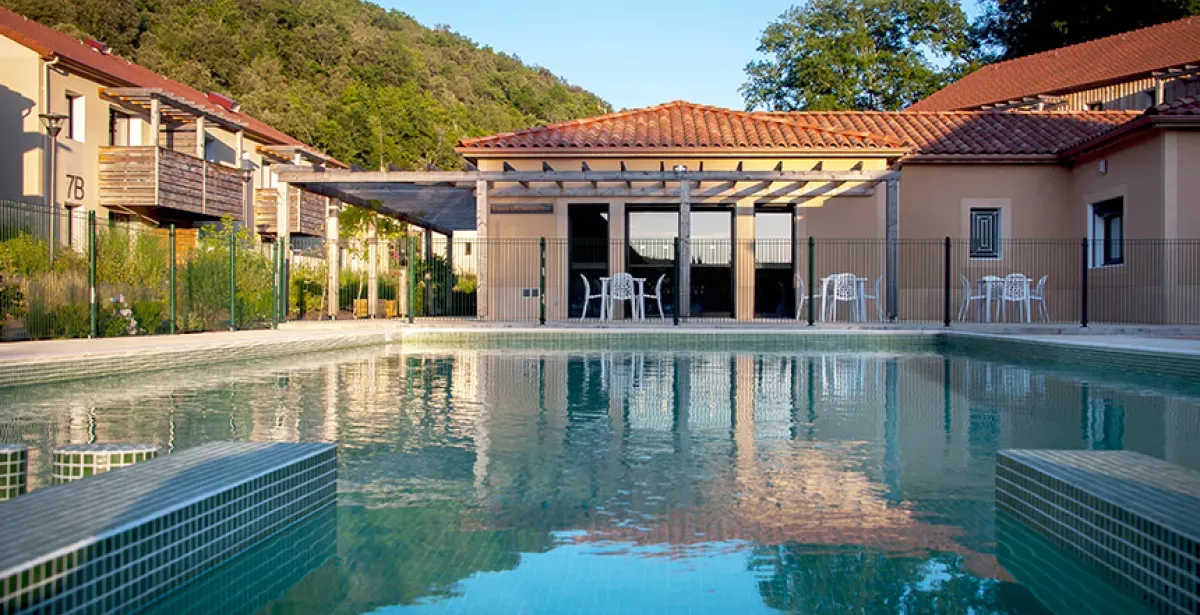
(1016, 290)
(875, 297)
(657, 297)
(801, 297)
(844, 290)
(968, 296)
(622, 288)
(1039, 297)
(587, 298)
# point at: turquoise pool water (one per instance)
(526, 481)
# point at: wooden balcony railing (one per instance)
(146, 177)
(306, 214)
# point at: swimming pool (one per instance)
(525, 480)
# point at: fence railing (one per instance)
(110, 278)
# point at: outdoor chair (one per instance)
(657, 297)
(968, 297)
(622, 288)
(1016, 290)
(844, 290)
(587, 298)
(1039, 297)
(875, 297)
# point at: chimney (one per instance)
(224, 102)
(96, 45)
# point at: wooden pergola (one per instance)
(161, 106)
(461, 198)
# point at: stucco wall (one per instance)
(20, 131)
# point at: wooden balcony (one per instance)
(163, 183)
(306, 214)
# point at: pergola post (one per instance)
(200, 137)
(372, 270)
(893, 246)
(481, 252)
(683, 302)
(332, 254)
(429, 271)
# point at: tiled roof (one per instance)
(976, 133)
(682, 126)
(47, 42)
(1103, 60)
(1183, 106)
(686, 127)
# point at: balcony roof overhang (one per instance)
(445, 201)
(287, 154)
(172, 108)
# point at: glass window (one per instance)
(985, 232)
(75, 117)
(1108, 232)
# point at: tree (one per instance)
(1014, 28)
(858, 54)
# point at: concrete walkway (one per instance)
(57, 360)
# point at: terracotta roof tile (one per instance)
(681, 126)
(976, 133)
(684, 126)
(1183, 106)
(47, 42)
(1103, 60)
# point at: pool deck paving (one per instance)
(57, 360)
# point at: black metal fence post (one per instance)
(812, 282)
(542, 283)
(233, 280)
(1083, 283)
(946, 287)
(171, 275)
(94, 307)
(675, 281)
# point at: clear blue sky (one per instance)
(631, 53)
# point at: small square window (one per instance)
(985, 232)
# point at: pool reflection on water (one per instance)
(543, 482)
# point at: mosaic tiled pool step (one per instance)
(1135, 518)
(115, 543)
(14, 466)
(261, 574)
(75, 461)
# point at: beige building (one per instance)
(136, 145)
(1096, 195)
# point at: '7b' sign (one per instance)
(75, 190)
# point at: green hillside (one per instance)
(339, 74)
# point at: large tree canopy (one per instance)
(1014, 28)
(363, 83)
(858, 54)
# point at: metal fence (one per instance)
(111, 278)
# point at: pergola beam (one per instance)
(301, 174)
(723, 190)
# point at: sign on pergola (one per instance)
(398, 190)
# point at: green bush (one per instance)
(150, 316)
(203, 295)
(307, 290)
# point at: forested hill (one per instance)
(338, 74)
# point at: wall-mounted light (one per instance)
(681, 168)
(1103, 166)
